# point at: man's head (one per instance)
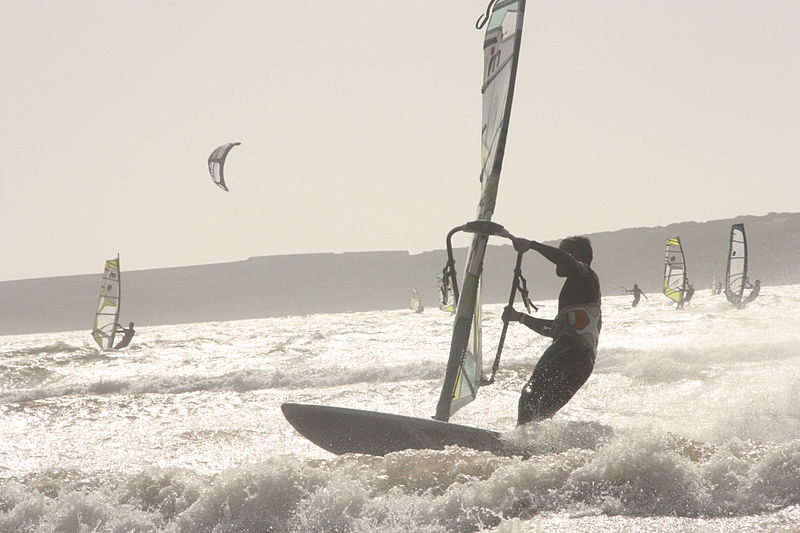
(130, 324)
(578, 247)
(758, 282)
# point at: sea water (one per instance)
(690, 422)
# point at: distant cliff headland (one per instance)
(366, 281)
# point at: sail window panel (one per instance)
(498, 17)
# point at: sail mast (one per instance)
(501, 53)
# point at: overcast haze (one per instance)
(360, 124)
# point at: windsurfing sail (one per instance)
(416, 301)
(501, 48)
(216, 164)
(736, 274)
(107, 315)
(674, 270)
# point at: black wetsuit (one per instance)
(637, 294)
(567, 363)
(127, 336)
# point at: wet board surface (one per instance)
(341, 430)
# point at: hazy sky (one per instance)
(360, 124)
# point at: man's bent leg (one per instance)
(563, 369)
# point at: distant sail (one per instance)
(501, 48)
(416, 301)
(108, 305)
(674, 270)
(736, 274)
(447, 299)
(216, 164)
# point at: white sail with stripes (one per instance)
(501, 48)
(106, 317)
(674, 270)
(736, 273)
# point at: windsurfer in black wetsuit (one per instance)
(637, 294)
(567, 363)
(127, 336)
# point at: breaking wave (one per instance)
(633, 474)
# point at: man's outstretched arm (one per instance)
(539, 325)
(554, 255)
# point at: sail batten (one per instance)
(501, 52)
(108, 305)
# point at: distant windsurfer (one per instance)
(567, 363)
(445, 295)
(637, 294)
(753, 293)
(127, 336)
(416, 302)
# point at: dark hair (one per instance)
(580, 247)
